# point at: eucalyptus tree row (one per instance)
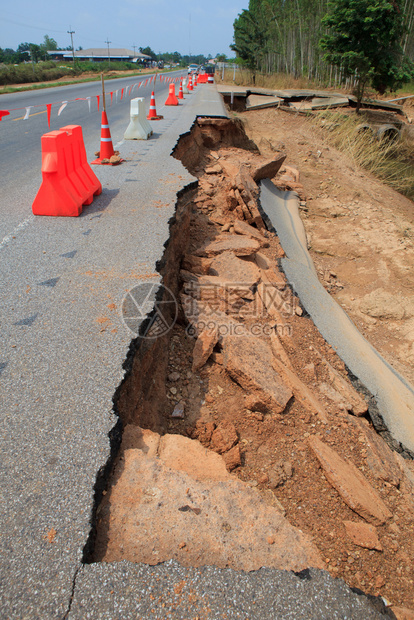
(285, 35)
(281, 36)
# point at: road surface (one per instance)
(20, 140)
(62, 354)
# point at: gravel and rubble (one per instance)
(258, 389)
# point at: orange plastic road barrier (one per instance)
(152, 114)
(67, 180)
(107, 149)
(83, 175)
(202, 78)
(171, 99)
(180, 91)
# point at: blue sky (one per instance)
(165, 25)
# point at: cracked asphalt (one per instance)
(63, 345)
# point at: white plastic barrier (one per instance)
(138, 128)
(185, 89)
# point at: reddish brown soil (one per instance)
(275, 454)
(358, 228)
(268, 441)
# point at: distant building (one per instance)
(99, 54)
(59, 54)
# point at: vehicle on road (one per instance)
(192, 69)
(209, 69)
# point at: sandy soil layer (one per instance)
(360, 233)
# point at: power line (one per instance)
(47, 29)
(12, 21)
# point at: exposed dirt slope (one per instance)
(360, 233)
(246, 374)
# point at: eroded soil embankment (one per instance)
(360, 231)
(244, 383)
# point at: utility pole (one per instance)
(133, 47)
(72, 32)
(109, 56)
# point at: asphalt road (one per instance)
(63, 343)
(20, 140)
(63, 346)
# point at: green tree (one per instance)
(174, 57)
(251, 36)
(148, 51)
(8, 56)
(186, 60)
(49, 44)
(36, 52)
(23, 52)
(364, 39)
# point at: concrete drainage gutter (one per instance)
(393, 394)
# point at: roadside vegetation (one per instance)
(353, 43)
(364, 47)
(30, 63)
(243, 76)
(48, 71)
(392, 161)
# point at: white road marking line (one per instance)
(18, 228)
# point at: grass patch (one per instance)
(276, 81)
(26, 72)
(407, 89)
(392, 162)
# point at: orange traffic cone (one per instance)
(180, 91)
(171, 99)
(107, 150)
(152, 114)
(195, 79)
(190, 84)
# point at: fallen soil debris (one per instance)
(245, 443)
